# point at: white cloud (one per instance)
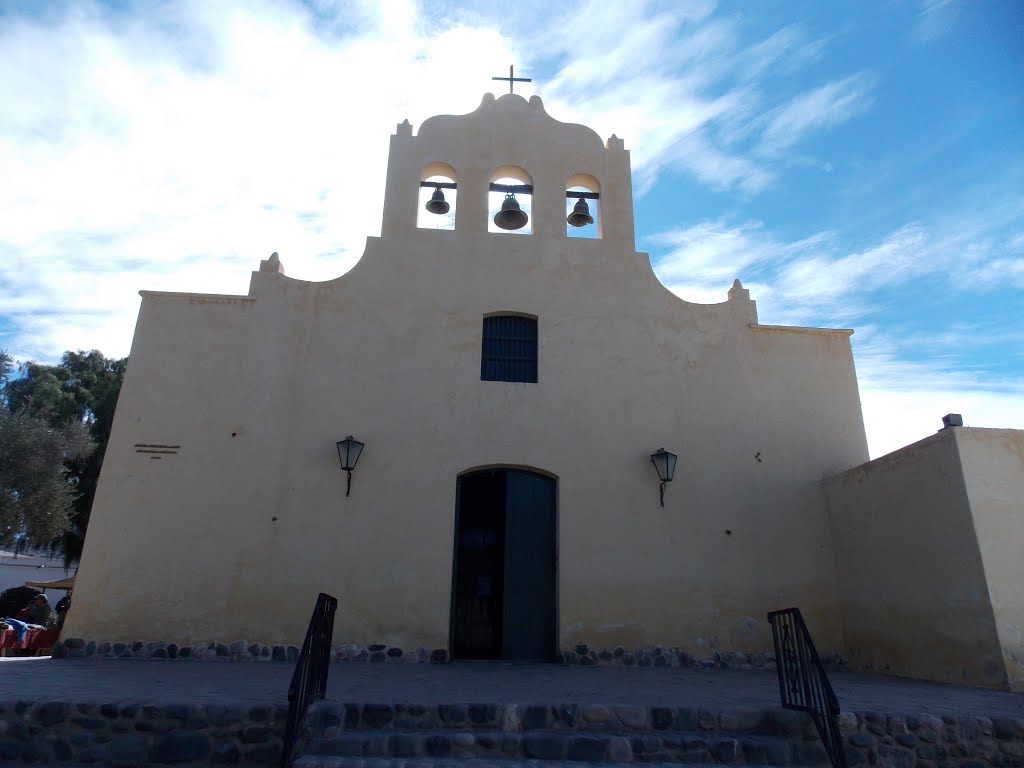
(174, 151)
(781, 53)
(716, 251)
(934, 19)
(1003, 273)
(908, 381)
(703, 259)
(176, 148)
(689, 93)
(825, 106)
(653, 83)
(140, 158)
(813, 280)
(805, 282)
(821, 278)
(895, 417)
(719, 169)
(904, 401)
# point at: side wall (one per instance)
(993, 467)
(911, 577)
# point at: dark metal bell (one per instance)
(510, 216)
(580, 215)
(437, 204)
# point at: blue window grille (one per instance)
(509, 349)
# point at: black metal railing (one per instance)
(309, 681)
(803, 684)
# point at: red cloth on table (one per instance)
(35, 637)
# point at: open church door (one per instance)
(478, 573)
(531, 551)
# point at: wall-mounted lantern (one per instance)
(665, 464)
(348, 454)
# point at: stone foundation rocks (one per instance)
(593, 733)
(134, 734)
(239, 650)
(658, 656)
(579, 655)
(137, 734)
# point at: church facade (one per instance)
(510, 390)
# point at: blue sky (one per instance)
(855, 164)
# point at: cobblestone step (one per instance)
(119, 731)
(330, 716)
(320, 761)
(578, 747)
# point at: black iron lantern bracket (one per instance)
(665, 465)
(349, 451)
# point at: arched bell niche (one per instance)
(434, 178)
(505, 180)
(576, 224)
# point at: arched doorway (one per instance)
(504, 579)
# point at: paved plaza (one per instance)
(247, 684)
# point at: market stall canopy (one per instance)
(67, 583)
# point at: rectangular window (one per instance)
(509, 349)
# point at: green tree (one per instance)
(37, 493)
(81, 390)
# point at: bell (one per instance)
(580, 215)
(437, 204)
(510, 216)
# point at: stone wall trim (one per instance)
(579, 655)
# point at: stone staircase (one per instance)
(341, 735)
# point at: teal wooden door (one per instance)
(528, 626)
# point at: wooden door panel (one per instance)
(528, 628)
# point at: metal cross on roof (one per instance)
(512, 80)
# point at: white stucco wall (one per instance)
(917, 552)
(16, 569)
(233, 535)
(993, 469)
